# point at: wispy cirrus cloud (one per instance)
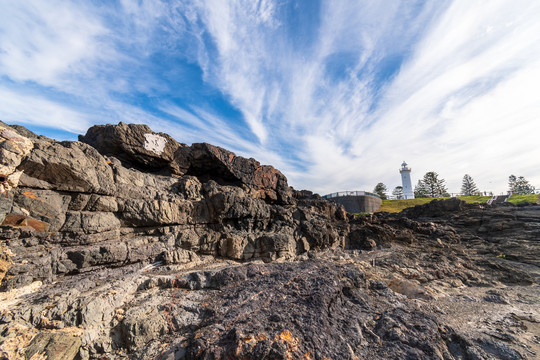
(316, 92)
(34, 110)
(379, 82)
(465, 102)
(44, 42)
(47, 51)
(335, 94)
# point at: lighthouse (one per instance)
(405, 172)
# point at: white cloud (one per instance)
(241, 31)
(207, 127)
(43, 41)
(313, 95)
(466, 102)
(293, 93)
(19, 108)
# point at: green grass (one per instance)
(474, 199)
(398, 205)
(518, 199)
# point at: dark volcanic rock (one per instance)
(136, 145)
(435, 208)
(212, 162)
(135, 247)
(92, 211)
(306, 194)
(59, 346)
(67, 166)
(327, 311)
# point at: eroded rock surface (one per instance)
(135, 145)
(130, 245)
(81, 207)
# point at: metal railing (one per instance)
(480, 193)
(349, 193)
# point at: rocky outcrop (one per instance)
(323, 295)
(435, 208)
(120, 198)
(139, 147)
(130, 245)
(13, 148)
(135, 145)
(211, 162)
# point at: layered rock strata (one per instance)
(131, 195)
(130, 245)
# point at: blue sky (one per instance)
(335, 94)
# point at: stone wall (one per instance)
(359, 204)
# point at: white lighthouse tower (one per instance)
(405, 172)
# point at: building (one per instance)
(356, 201)
(405, 172)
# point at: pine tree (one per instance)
(380, 189)
(434, 187)
(420, 190)
(512, 182)
(398, 192)
(468, 187)
(520, 185)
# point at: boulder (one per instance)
(13, 148)
(135, 145)
(54, 345)
(435, 208)
(209, 162)
(67, 166)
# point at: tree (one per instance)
(380, 189)
(433, 186)
(420, 190)
(398, 192)
(512, 182)
(520, 185)
(468, 187)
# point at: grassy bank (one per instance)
(398, 205)
(518, 199)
